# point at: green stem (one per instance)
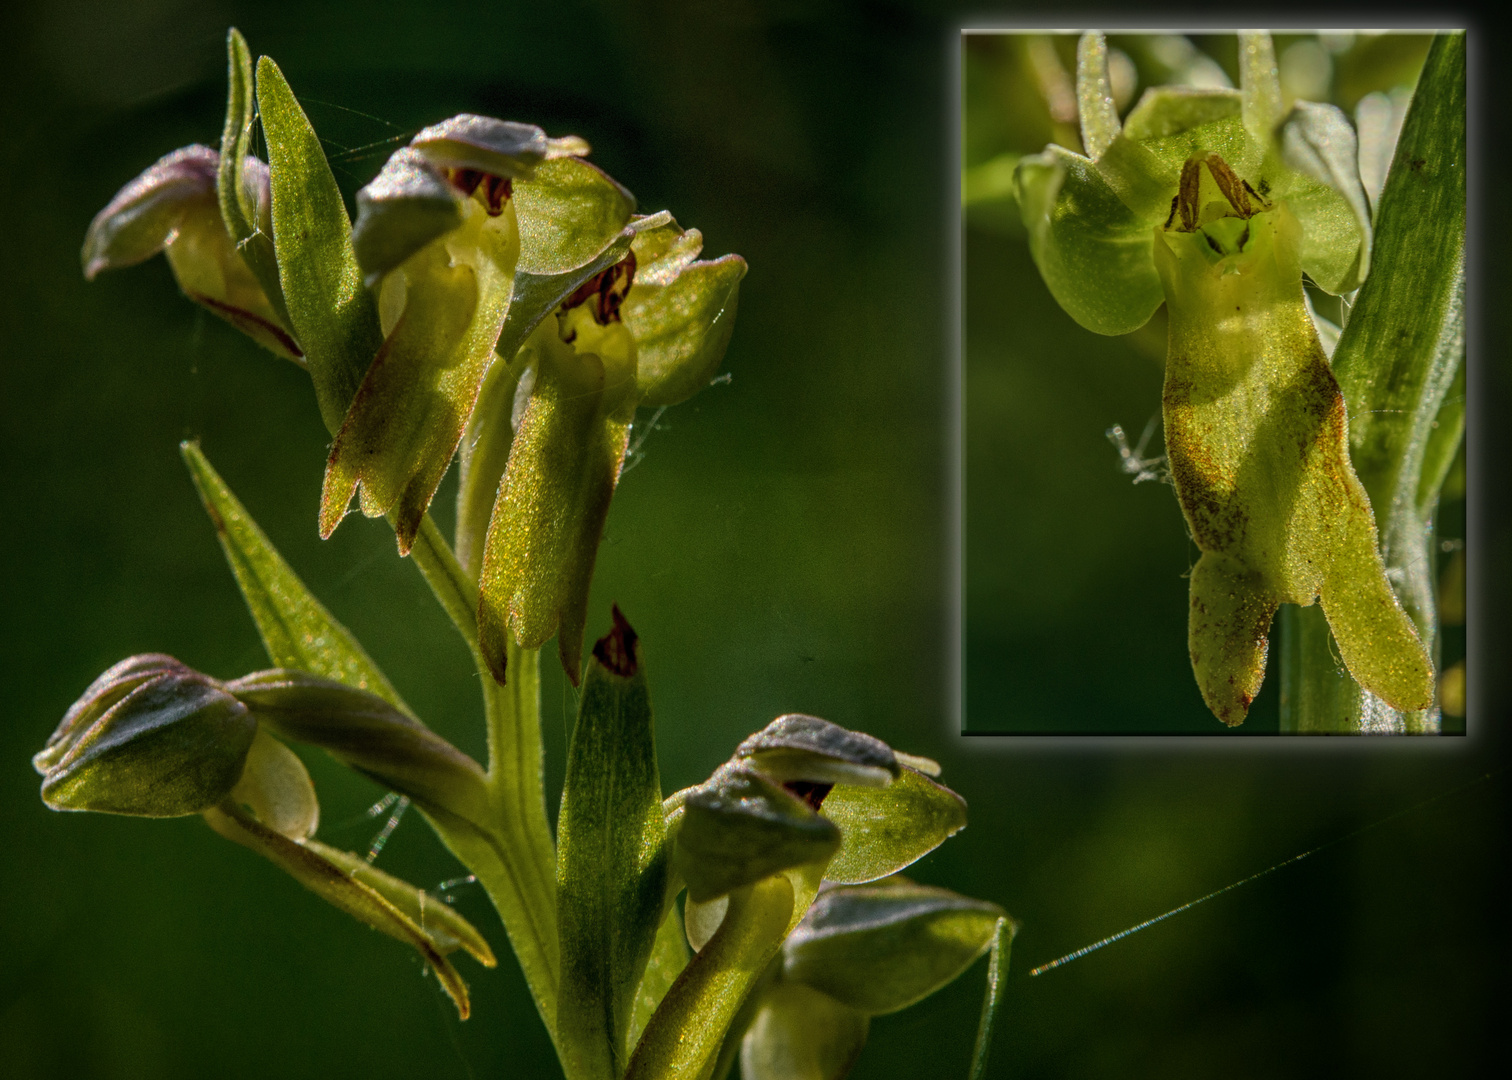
(516, 860)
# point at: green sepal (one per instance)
(739, 827)
(553, 502)
(569, 211)
(880, 948)
(172, 744)
(797, 747)
(310, 865)
(406, 206)
(611, 858)
(1091, 249)
(367, 733)
(450, 300)
(802, 1034)
(684, 1037)
(246, 207)
(504, 148)
(680, 313)
(295, 628)
(333, 316)
(883, 830)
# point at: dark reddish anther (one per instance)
(465, 180)
(616, 650)
(811, 793)
(496, 190)
(607, 289)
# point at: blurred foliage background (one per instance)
(783, 545)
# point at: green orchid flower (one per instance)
(152, 737)
(173, 208)
(644, 324)
(437, 237)
(1216, 203)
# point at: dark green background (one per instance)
(783, 546)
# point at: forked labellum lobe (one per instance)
(1257, 436)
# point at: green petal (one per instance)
(1091, 249)
(276, 787)
(1326, 195)
(569, 210)
(801, 1034)
(880, 948)
(611, 859)
(883, 830)
(333, 316)
(681, 328)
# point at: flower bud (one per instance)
(151, 738)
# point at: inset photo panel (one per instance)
(1213, 400)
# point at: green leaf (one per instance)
(684, 1037)
(333, 316)
(243, 201)
(997, 971)
(880, 948)
(172, 744)
(739, 827)
(883, 830)
(801, 1034)
(309, 864)
(1091, 249)
(611, 858)
(669, 955)
(367, 733)
(1397, 363)
(405, 423)
(296, 629)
